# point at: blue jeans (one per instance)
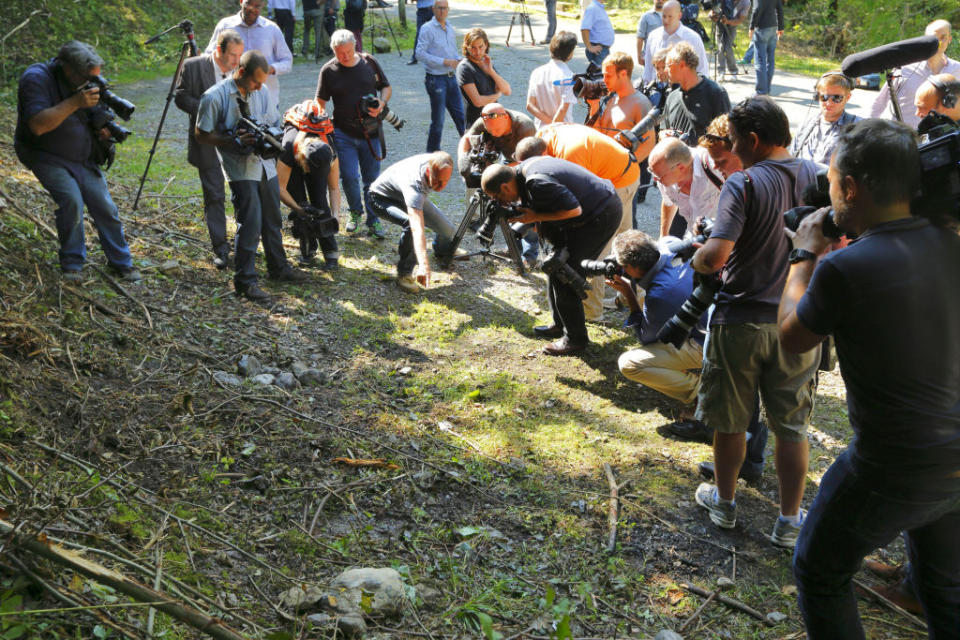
(861, 507)
(433, 218)
(424, 15)
(444, 93)
(765, 41)
(748, 55)
(256, 205)
(70, 193)
(356, 160)
(597, 58)
(529, 241)
(551, 6)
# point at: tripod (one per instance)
(374, 28)
(520, 12)
(188, 45)
(477, 210)
(717, 49)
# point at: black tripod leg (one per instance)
(513, 18)
(462, 230)
(166, 107)
(383, 14)
(513, 246)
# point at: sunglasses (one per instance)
(493, 116)
(837, 99)
(710, 137)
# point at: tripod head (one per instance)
(187, 27)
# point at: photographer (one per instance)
(400, 196)
(936, 93)
(727, 31)
(671, 33)
(253, 180)
(698, 101)
(577, 213)
(689, 184)
(308, 177)
(199, 74)
(55, 138)
(346, 79)
(503, 128)
(899, 472)
(665, 283)
(742, 355)
(818, 135)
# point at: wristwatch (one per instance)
(799, 255)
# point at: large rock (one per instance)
(376, 592)
(227, 379)
(249, 366)
(286, 380)
(312, 377)
(265, 379)
(299, 600)
(381, 45)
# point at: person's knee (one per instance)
(632, 363)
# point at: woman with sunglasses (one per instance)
(479, 82)
(818, 135)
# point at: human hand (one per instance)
(423, 275)
(374, 112)
(86, 98)
(618, 283)
(594, 48)
(809, 235)
(273, 70)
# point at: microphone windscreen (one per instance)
(888, 56)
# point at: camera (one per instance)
(266, 142)
(607, 267)
(123, 108)
(495, 213)
(655, 90)
(482, 154)
(370, 101)
(718, 8)
(684, 249)
(816, 195)
(590, 85)
(631, 138)
(676, 329)
(556, 265)
(312, 223)
(104, 118)
(939, 169)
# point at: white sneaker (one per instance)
(785, 533)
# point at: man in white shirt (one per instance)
(668, 35)
(549, 93)
(911, 76)
(688, 181)
(262, 35)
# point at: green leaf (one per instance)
(101, 632)
(467, 532)
(11, 604)
(563, 629)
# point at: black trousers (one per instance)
(211, 182)
(286, 22)
(583, 243)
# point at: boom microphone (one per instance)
(888, 56)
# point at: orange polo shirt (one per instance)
(600, 154)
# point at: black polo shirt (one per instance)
(551, 184)
(691, 111)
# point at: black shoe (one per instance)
(747, 471)
(411, 62)
(564, 347)
(331, 265)
(548, 331)
(127, 274)
(251, 292)
(690, 430)
(290, 275)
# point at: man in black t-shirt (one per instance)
(699, 100)
(890, 301)
(345, 80)
(742, 355)
(576, 212)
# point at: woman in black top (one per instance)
(479, 82)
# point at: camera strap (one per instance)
(714, 178)
(600, 109)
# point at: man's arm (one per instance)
(52, 117)
(529, 215)
(592, 48)
(561, 112)
(282, 58)
(183, 95)
(640, 56)
(794, 335)
(667, 212)
(534, 109)
(711, 257)
(419, 245)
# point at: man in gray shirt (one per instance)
(253, 180)
(727, 33)
(399, 196)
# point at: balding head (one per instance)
(530, 147)
(940, 29)
(671, 162)
(932, 94)
(671, 16)
(496, 119)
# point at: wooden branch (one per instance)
(116, 285)
(188, 615)
(727, 600)
(611, 509)
(40, 223)
(890, 604)
(696, 614)
(99, 305)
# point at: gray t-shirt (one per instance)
(404, 182)
(521, 128)
(752, 217)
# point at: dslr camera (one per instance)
(590, 85)
(266, 142)
(104, 116)
(606, 267)
(370, 123)
(556, 265)
(678, 328)
(123, 108)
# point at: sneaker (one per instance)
(785, 533)
(127, 274)
(354, 221)
(409, 284)
(377, 230)
(73, 276)
(722, 515)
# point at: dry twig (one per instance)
(611, 509)
(727, 600)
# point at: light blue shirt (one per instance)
(435, 45)
(219, 113)
(290, 5)
(424, 4)
(264, 36)
(597, 22)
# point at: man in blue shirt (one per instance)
(597, 32)
(55, 139)
(437, 52)
(253, 180)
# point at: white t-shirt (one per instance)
(660, 39)
(548, 95)
(704, 194)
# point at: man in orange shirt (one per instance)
(600, 155)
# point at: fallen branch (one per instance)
(696, 614)
(727, 600)
(611, 509)
(188, 615)
(40, 223)
(116, 285)
(99, 305)
(890, 604)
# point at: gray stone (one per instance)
(352, 626)
(171, 267)
(312, 377)
(271, 370)
(249, 366)
(381, 45)
(319, 619)
(724, 583)
(227, 379)
(377, 592)
(298, 367)
(428, 595)
(299, 600)
(265, 379)
(667, 634)
(286, 380)
(776, 617)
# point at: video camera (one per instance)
(495, 212)
(590, 85)
(939, 168)
(371, 101)
(606, 267)
(556, 265)
(481, 155)
(266, 144)
(312, 223)
(726, 8)
(631, 138)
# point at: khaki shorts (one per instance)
(740, 358)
